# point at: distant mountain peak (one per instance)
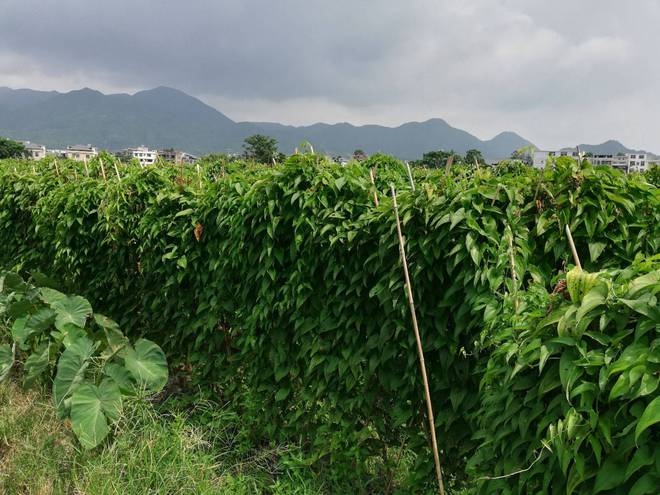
(85, 91)
(167, 117)
(163, 90)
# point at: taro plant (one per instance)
(92, 364)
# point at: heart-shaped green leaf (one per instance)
(72, 310)
(71, 369)
(121, 376)
(147, 364)
(68, 309)
(36, 363)
(12, 282)
(115, 338)
(92, 408)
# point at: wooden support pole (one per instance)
(514, 276)
(57, 168)
(576, 258)
(86, 167)
(372, 176)
(450, 162)
(420, 350)
(410, 177)
(114, 163)
(102, 169)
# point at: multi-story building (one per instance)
(141, 153)
(541, 157)
(628, 162)
(80, 152)
(176, 156)
(34, 151)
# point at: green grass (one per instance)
(150, 453)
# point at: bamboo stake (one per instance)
(476, 163)
(576, 258)
(514, 276)
(86, 167)
(199, 175)
(420, 350)
(102, 169)
(410, 177)
(57, 169)
(450, 162)
(372, 175)
(114, 163)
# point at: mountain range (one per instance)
(165, 117)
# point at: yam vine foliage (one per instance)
(93, 363)
(281, 288)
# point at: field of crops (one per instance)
(280, 290)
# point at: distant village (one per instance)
(627, 162)
(83, 152)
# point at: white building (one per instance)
(541, 157)
(176, 156)
(34, 151)
(80, 152)
(628, 162)
(141, 153)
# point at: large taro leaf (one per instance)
(6, 360)
(36, 363)
(72, 310)
(71, 369)
(12, 282)
(92, 408)
(42, 280)
(115, 338)
(68, 334)
(51, 296)
(69, 309)
(19, 331)
(121, 376)
(147, 364)
(29, 325)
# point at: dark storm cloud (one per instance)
(470, 60)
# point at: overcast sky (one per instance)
(557, 72)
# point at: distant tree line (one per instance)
(439, 159)
(11, 149)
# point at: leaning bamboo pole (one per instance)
(102, 169)
(114, 162)
(450, 162)
(420, 350)
(576, 258)
(410, 176)
(372, 176)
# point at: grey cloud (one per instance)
(500, 59)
